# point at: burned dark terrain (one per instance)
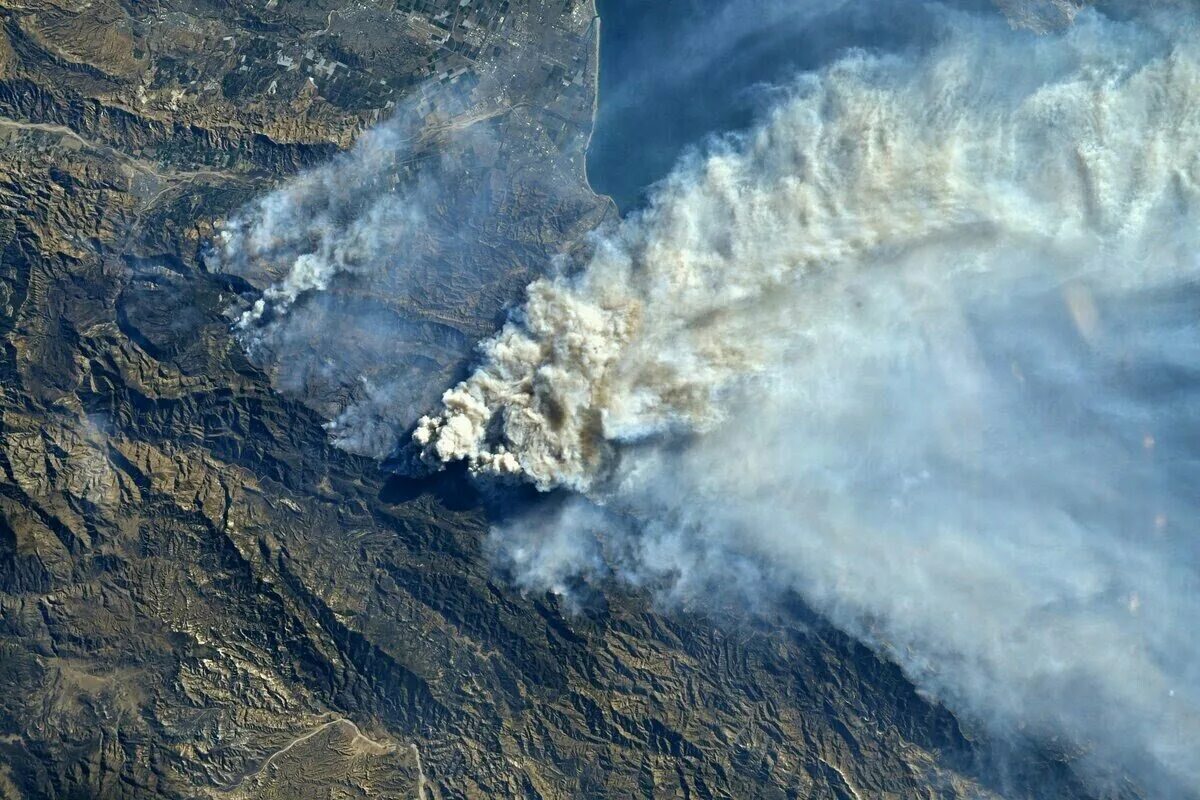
(200, 596)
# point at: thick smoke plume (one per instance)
(922, 347)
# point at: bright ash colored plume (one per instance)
(921, 347)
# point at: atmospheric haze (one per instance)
(919, 346)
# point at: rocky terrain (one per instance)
(200, 596)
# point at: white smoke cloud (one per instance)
(321, 223)
(922, 347)
(380, 269)
(328, 246)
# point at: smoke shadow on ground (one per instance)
(451, 488)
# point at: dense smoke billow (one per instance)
(921, 347)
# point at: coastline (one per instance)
(597, 23)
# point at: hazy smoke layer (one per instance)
(380, 269)
(922, 346)
(335, 248)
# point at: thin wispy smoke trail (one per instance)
(922, 347)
